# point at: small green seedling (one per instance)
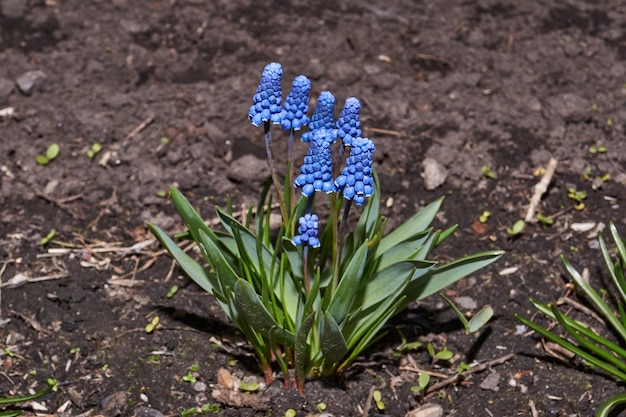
(597, 149)
(290, 412)
(463, 367)
(517, 228)
(320, 406)
(546, 221)
(152, 325)
(578, 197)
(442, 355)
(249, 386)
(94, 150)
(489, 173)
(172, 291)
(44, 240)
(51, 153)
(484, 217)
(165, 139)
(162, 194)
(74, 351)
(188, 377)
(378, 399)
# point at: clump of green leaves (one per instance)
(51, 153)
(312, 310)
(594, 349)
(578, 197)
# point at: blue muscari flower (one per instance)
(307, 231)
(348, 123)
(323, 115)
(317, 170)
(356, 181)
(297, 104)
(268, 97)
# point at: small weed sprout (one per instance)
(51, 153)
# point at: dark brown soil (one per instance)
(500, 84)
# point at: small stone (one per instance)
(248, 169)
(114, 404)
(147, 412)
(491, 382)
(13, 9)
(199, 387)
(434, 174)
(427, 410)
(31, 81)
(466, 303)
(571, 107)
(6, 89)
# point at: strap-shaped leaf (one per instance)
(349, 282)
(445, 275)
(225, 273)
(402, 251)
(301, 349)
(193, 269)
(413, 226)
(332, 342)
(254, 312)
(189, 215)
(388, 282)
(247, 242)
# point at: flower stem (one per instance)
(305, 271)
(338, 242)
(290, 172)
(270, 161)
(336, 247)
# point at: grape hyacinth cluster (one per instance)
(356, 181)
(307, 231)
(348, 123)
(323, 115)
(297, 104)
(317, 170)
(268, 97)
(316, 173)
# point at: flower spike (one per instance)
(356, 181)
(297, 104)
(307, 231)
(317, 170)
(349, 124)
(323, 115)
(268, 97)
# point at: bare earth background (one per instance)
(469, 84)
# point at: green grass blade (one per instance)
(605, 409)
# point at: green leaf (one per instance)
(192, 268)
(412, 227)
(345, 293)
(53, 151)
(254, 312)
(41, 160)
(480, 319)
(24, 398)
(605, 409)
(445, 275)
(225, 273)
(388, 282)
(302, 349)
(189, 215)
(331, 340)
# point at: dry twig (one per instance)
(540, 189)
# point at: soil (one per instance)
(505, 85)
